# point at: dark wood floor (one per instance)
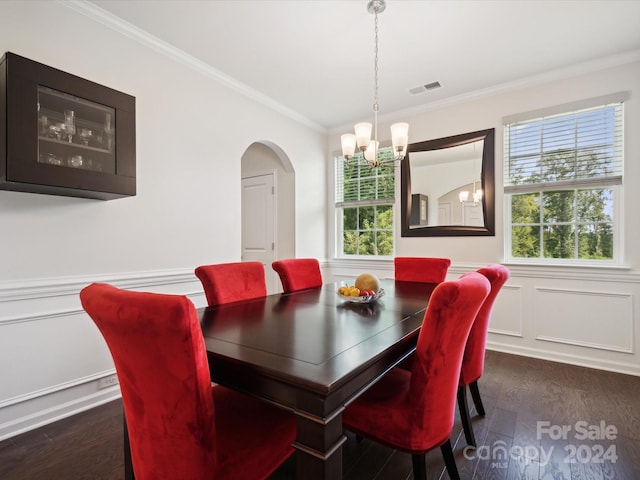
(527, 403)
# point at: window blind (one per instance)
(580, 148)
(358, 185)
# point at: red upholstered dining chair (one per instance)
(179, 425)
(473, 359)
(298, 273)
(421, 269)
(232, 282)
(413, 411)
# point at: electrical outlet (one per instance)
(106, 382)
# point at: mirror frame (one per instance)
(486, 177)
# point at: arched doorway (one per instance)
(268, 210)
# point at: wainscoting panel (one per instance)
(602, 320)
(506, 316)
(53, 357)
(49, 350)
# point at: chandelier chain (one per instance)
(375, 161)
(375, 65)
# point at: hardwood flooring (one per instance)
(537, 413)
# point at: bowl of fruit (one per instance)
(365, 289)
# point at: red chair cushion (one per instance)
(298, 273)
(421, 269)
(414, 411)
(473, 359)
(232, 282)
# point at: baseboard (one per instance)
(580, 361)
(42, 410)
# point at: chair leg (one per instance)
(477, 401)
(128, 465)
(420, 466)
(449, 460)
(464, 416)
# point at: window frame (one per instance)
(542, 188)
(340, 205)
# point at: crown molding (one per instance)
(139, 35)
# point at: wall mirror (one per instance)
(447, 186)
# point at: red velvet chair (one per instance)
(421, 269)
(179, 426)
(232, 282)
(473, 359)
(413, 411)
(298, 273)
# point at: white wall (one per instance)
(191, 135)
(584, 316)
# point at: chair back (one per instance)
(160, 358)
(298, 273)
(421, 269)
(232, 282)
(452, 307)
(473, 360)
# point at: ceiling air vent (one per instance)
(424, 88)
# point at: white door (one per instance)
(473, 215)
(258, 225)
(444, 213)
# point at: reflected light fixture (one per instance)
(477, 194)
(362, 136)
(463, 195)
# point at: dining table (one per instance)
(313, 352)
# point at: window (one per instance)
(562, 185)
(364, 206)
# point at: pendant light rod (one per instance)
(362, 136)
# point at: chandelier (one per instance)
(362, 136)
(463, 196)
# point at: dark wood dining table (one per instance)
(313, 353)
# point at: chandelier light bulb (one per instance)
(348, 145)
(371, 152)
(363, 135)
(400, 137)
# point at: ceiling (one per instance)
(314, 59)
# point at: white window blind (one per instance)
(580, 148)
(358, 185)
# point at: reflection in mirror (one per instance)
(451, 179)
(447, 186)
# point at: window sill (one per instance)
(577, 266)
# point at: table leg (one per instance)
(319, 447)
